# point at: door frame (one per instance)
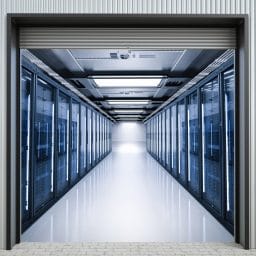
(240, 22)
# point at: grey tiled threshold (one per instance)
(128, 249)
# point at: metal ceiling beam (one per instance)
(90, 73)
(134, 98)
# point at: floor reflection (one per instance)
(128, 197)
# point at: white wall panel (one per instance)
(129, 132)
(122, 6)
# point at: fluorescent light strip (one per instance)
(130, 82)
(128, 118)
(128, 111)
(124, 116)
(128, 102)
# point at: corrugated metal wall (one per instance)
(119, 6)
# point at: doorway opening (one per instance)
(73, 98)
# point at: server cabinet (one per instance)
(148, 144)
(229, 106)
(159, 153)
(63, 123)
(193, 143)
(103, 137)
(168, 140)
(110, 137)
(157, 137)
(26, 91)
(174, 169)
(107, 137)
(153, 136)
(98, 138)
(110, 144)
(211, 164)
(44, 145)
(182, 141)
(93, 138)
(75, 130)
(83, 139)
(89, 141)
(163, 151)
(149, 136)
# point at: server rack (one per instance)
(63, 132)
(83, 140)
(57, 132)
(181, 119)
(200, 141)
(26, 87)
(44, 137)
(163, 149)
(174, 140)
(74, 141)
(193, 143)
(89, 138)
(168, 140)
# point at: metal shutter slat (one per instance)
(133, 38)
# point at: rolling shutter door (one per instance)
(128, 38)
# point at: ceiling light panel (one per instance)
(129, 111)
(135, 115)
(128, 82)
(128, 102)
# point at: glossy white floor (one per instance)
(128, 197)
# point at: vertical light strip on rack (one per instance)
(188, 140)
(52, 148)
(77, 142)
(203, 147)
(227, 152)
(27, 155)
(67, 178)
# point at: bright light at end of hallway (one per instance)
(129, 148)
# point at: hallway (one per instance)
(127, 197)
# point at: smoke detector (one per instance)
(122, 54)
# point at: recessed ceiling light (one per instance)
(136, 115)
(130, 111)
(127, 118)
(129, 81)
(128, 102)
